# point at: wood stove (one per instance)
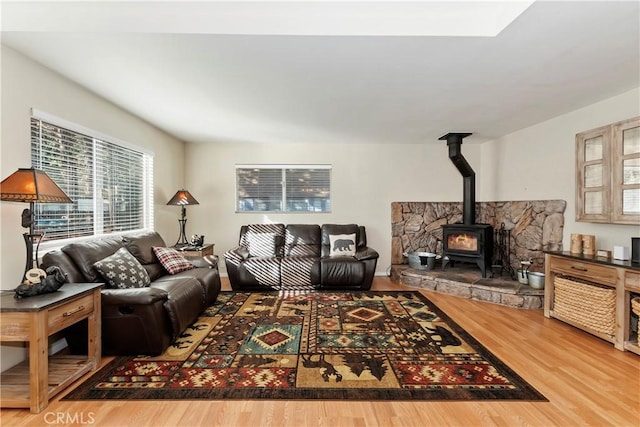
(466, 241)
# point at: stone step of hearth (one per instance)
(467, 282)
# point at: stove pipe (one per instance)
(454, 141)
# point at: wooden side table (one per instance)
(32, 383)
(197, 252)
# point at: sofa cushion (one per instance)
(122, 270)
(141, 246)
(300, 272)
(302, 240)
(172, 260)
(262, 244)
(329, 229)
(85, 254)
(260, 236)
(342, 271)
(263, 270)
(342, 244)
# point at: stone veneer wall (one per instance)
(536, 226)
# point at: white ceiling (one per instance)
(267, 72)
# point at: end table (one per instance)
(198, 251)
(32, 383)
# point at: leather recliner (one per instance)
(137, 321)
(298, 256)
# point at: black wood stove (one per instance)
(466, 241)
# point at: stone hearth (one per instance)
(535, 226)
(467, 282)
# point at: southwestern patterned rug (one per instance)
(315, 345)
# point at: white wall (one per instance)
(539, 163)
(26, 85)
(366, 178)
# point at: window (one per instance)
(110, 183)
(283, 188)
(608, 173)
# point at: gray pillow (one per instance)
(122, 270)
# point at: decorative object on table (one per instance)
(621, 253)
(603, 253)
(182, 198)
(31, 186)
(635, 249)
(197, 240)
(52, 281)
(576, 244)
(315, 345)
(588, 244)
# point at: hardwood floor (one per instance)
(586, 380)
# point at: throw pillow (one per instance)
(172, 260)
(342, 244)
(122, 270)
(262, 244)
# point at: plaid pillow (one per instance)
(122, 270)
(172, 260)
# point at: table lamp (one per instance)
(182, 198)
(31, 186)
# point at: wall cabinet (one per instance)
(593, 294)
(608, 173)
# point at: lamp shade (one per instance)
(31, 185)
(182, 198)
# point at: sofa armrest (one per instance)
(132, 296)
(207, 261)
(366, 253)
(236, 255)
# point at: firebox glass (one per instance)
(462, 242)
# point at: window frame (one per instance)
(612, 174)
(98, 138)
(283, 191)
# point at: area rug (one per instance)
(315, 345)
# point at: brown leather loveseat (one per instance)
(138, 319)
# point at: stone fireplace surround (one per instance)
(536, 226)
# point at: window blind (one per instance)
(110, 184)
(283, 188)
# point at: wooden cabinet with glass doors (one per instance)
(608, 173)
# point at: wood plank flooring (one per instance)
(586, 380)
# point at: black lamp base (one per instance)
(182, 238)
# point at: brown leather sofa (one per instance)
(138, 320)
(300, 257)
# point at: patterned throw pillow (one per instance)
(122, 270)
(342, 244)
(172, 260)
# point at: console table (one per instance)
(593, 294)
(32, 383)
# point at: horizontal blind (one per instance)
(308, 190)
(283, 188)
(259, 189)
(110, 185)
(67, 157)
